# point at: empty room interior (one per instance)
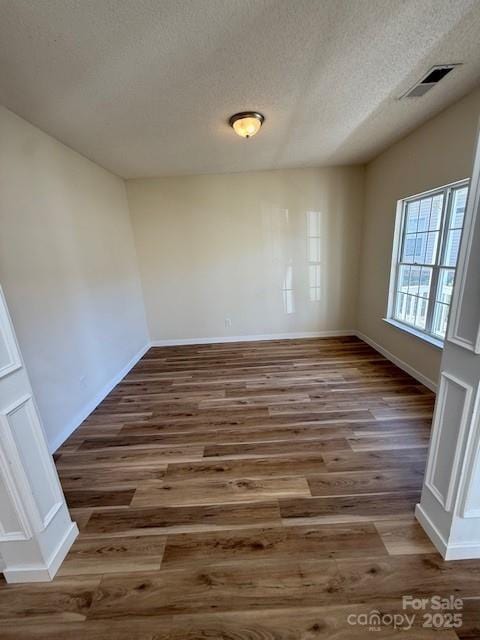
(239, 319)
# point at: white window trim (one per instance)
(397, 241)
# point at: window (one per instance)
(425, 259)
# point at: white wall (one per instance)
(68, 269)
(435, 154)
(223, 246)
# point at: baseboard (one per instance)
(96, 400)
(63, 548)
(46, 572)
(463, 551)
(448, 550)
(253, 338)
(430, 384)
(431, 530)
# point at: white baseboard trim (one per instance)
(463, 551)
(431, 530)
(63, 548)
(430, 384)
(95, 401)
(253, 338)
(44, 572)
(448, 550)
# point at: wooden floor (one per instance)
(249, 491)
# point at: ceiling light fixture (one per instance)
(247, 123)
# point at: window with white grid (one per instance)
(428, 244)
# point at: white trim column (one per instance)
(449, 510)
(36, 530)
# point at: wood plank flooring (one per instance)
(247, 491)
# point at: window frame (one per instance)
(398, 244)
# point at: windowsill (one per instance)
(413, 332)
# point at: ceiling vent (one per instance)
(432, 78)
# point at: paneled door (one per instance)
(36, 530)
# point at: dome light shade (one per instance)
(247, 123)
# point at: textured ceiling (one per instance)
(145, 87)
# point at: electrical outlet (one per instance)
(228, 323)
(83, 381)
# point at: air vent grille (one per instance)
(432, 78)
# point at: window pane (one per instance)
(440, 318)
(409, 247)
(436, 213)
(400, 306)
(445, 285)
(424, 214)
(414, 280)
(420, 247)
(452, 246)
(412, 217)
(425, 282)
(459, 201)
(410, 309)
(431, 251)
(421, 319)
(403, 278)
